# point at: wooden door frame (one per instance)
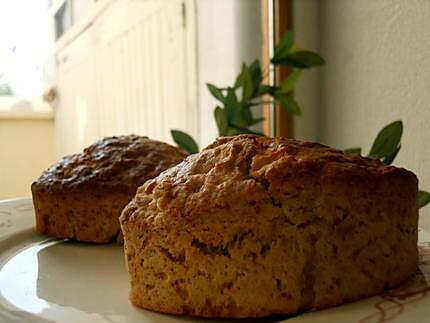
(276, 19)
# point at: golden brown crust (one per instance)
(82, 195)
(125, 161)
(300, 224)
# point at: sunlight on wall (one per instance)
(23, 45)
(377, 71)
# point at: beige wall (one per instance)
(378, 70)
(27, 148)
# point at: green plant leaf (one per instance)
(390, 158)
(234, 131)
(423, 198)
(185, 141)
(216, 92)
(300, 59)
(387, 141)
(257, 77)
(284, 46)
(239, 79)
(246, 114)
(266, 89)
(221, 120)
(354, 151)
(256, 121)
(247, 83)
(241, 117)
(287, 103)
(231, 103)
(290, 82)
(235, 112)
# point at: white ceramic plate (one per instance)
(48, 280)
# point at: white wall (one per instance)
(228, 32)
(130, 69)
(109, 83)
(378, 70)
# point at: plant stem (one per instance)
(266, 70)
(262, 102)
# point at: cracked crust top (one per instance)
(112, 162)
(203, 181)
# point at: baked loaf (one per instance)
(253, 226)
(81, 196)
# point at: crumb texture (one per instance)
(254, 226)
(82, 195)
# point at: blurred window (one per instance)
(24, 47)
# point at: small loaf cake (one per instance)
(81, 196)
(253, 226)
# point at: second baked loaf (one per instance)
(81, 196)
